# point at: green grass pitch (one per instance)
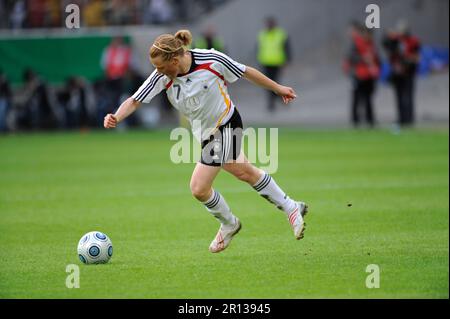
(56, 187)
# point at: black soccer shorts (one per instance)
(225, 144)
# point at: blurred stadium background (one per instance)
(33, 37)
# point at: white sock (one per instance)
(219, 208)
(267, 188)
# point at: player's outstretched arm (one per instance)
(126, 108)
(258, 78)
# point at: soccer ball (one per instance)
(95, 248)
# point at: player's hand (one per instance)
(286, 93)
(110, 121)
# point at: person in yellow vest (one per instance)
(273, 53)
(209, 40)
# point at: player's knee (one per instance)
(199, 191)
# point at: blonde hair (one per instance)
(169, 46)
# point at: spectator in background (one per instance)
(119, 64)
(116, 61)
(3, 15)
(209, 40)
(363, 66)
(120, 12)
(5, 101)
(37, 10)
(18, 15)
(181, 8)
(273, 53)
(403, 50)
(104, 100)
(74, 100)
(93, 13)
(159, 12)
(36, 106)
(53, 17)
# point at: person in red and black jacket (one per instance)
(363, 65)
(403, 50)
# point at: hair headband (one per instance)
(164, 50)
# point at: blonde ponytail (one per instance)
(184, 36)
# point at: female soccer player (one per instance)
(196, 84)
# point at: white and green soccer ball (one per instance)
(95, 248)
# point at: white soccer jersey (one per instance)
(201, 94)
